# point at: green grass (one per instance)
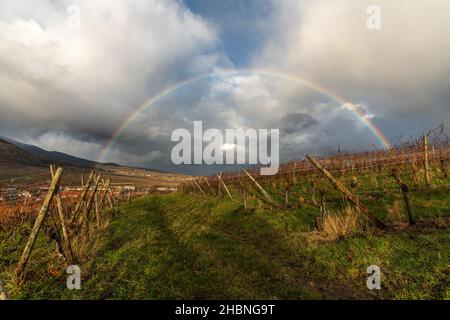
(190, 247)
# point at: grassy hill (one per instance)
(194, 247)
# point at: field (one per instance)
(291, 236)
(24, 176)
(179, 247)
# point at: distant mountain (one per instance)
(22, 163)
(10, 153)
(33, 155)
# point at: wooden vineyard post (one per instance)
(219, 187)
(198, 186)
(415, 173)
(82, 198)
(242, 192)
(51, 232)
(266, 195)
(225, 187)
(38, 223)
(112, 197)
(62, 218)
(322, 214)
(347, 193)
(209, 186)
(87, 210)
(111, 206)
(405, 191)
(97, 210)
(426, 160)
(313, 193)
(102, 199)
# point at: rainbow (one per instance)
(151, 100)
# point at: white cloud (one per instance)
(401, 68)
(55, 78)
(69, 90)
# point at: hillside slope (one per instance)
(15, 162)
(24, 163)
(53, 157)
(11, 154)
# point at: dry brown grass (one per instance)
(341, 224)
(14, 216)
(395, 212)
(85, 248)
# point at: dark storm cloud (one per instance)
(60, 85)
(70, 90)
(398, 72)
(297, 122)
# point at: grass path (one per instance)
(167, 250)
(187, 247)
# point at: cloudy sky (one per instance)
(230, 63)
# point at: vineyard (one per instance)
(375, 184)
(70, 218)
(308, 232)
